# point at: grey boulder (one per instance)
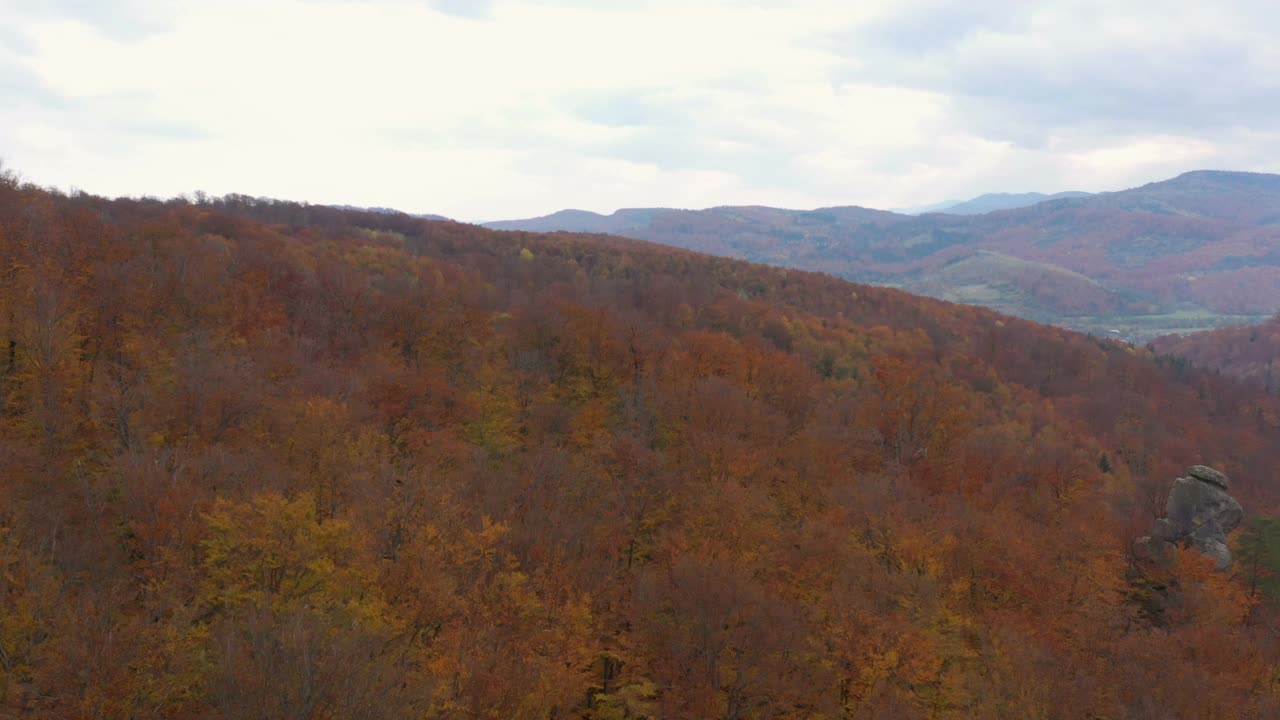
(1198, 513)
(1209, 475)
(1193, 503)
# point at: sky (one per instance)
(497, 109)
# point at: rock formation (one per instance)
(1199, 513)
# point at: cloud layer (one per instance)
(485, 110)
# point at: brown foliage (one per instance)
(273, 460)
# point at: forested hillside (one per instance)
(262, 459)
(1247, 351)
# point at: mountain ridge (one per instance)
(1193, 251)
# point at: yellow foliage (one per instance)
(274, 552)
(494, 425)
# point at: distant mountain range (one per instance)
(1197, 251)
(988, 203)
(389, 211)
(1005, 201)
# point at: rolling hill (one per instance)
(1196, 251)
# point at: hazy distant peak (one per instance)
(989, 202)
(925, 209)
(1005, 201)
(571, 220)
(572, 213)
(389, 211)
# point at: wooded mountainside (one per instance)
(262, 459)
(1245, 351)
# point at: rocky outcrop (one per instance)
(1200, 514)
(1209, 475)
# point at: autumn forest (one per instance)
(261, 459)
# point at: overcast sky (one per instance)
(495, 109)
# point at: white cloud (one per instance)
(510, 108)
(41, 137)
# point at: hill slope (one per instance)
(1192, 252)
(262, 459)
(1251, 352)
